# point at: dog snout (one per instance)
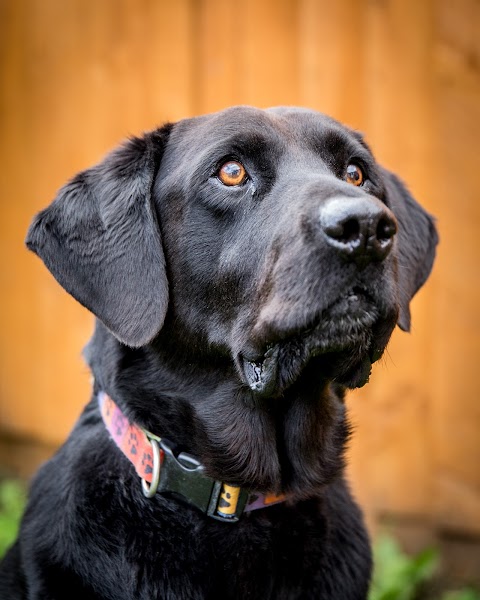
(361, 229)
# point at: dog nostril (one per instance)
(345, 232)
(350, 231)
(386, 229)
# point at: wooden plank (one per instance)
(331, 62)
(218, 61)
(268, 49)
(456, 420)
(71, 93)
(392, 455)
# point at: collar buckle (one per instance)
(183, 474)
(168, 471)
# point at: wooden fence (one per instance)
(76, 76)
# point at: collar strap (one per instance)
(161, 470)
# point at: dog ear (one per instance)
(417, 240)
(101, 240)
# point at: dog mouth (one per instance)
(339, 344)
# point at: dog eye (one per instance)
(354, 175)
(232, 173)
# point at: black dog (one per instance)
(245, 268)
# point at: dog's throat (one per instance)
(177, 474)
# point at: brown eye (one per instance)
(232, 173)
(354, 175)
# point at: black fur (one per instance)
(241, 359)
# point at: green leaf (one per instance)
(398, 576)
(12, 502)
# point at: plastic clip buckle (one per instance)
(184, 475)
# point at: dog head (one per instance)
(270, 238)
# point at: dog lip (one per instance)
(261, 373)
(265, 380)
(340, 334)
(357, 375)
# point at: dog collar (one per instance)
(162, 470)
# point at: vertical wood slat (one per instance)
(456, 419)
(71, 93)
(393, 412)
(332, 66)
(76, 77)
(237, 63)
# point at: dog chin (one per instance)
(339, 346)
(283, 364)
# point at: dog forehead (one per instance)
(277, 126)
(217, 129)
(299, 117)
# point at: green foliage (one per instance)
(396, 575)
(466, 594)
(12, 502)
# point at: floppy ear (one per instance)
(101, 241)
(417, 239)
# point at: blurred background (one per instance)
(77, 76)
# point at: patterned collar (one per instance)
(163, 471)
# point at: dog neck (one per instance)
(293, 445)
(163, 470)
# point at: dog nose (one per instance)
(361, 229)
